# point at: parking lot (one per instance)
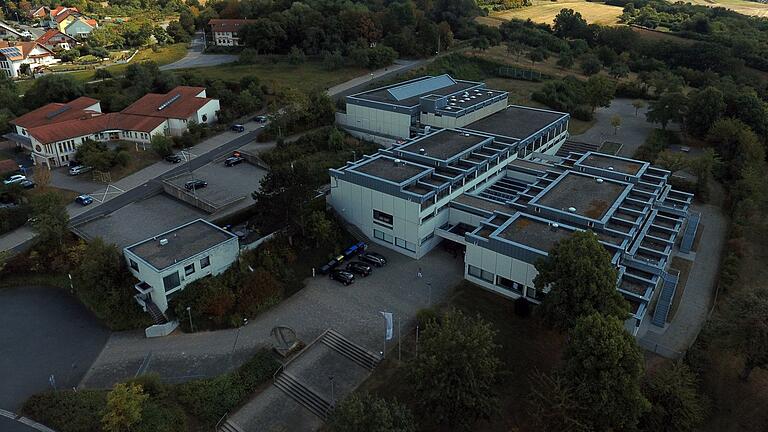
(225, 184)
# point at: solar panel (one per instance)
(410, 90)
(58, 111)
(10, 51)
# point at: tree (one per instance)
(162, 145)
(264, 34)
(704, 108)
(296, 56)
(125, 403)
(515, 48)
(52, 88)
(670, 107)
(481, 43)
(616, 123)
(5, 256)
(42, 177)
(742, 328)
(102, 74)
(638, 105)
(319, 228)
(671, 160)
(570, 25)
(50, 219)
(604, 365)
(554, 406)
(581, 281)
(590, 64)
(178, 33)
(676, 405)
(619, 70)
(599, 91)
(566, 60)
(366, 413)
(455, 369)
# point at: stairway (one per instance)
(303, 395)
(157, 316)
(230, 426)
(350, 350)
(664, 303)
(575, 146)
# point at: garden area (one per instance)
(146, 404)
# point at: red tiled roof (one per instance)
(50, 34)
(182, 108)
(91, 22)
(60, 9)
(93, 124)
(24, 47)
(62, 16)
(228, 25)
(41, 116)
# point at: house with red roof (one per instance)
(54, 39)
(225, 31)
(13, 55)
(54, 132)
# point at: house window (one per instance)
(480, 273)
(205, 118)
(205, 262)
(171, 281)
(133, 264)
(509, 285)
(382, 218)
(405, 245)
(189, 269)
(382, 236)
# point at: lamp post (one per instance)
(189, 313)
(429, 293)
(333, 399)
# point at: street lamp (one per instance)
(429, 293)
(333, 399)
(189, 313)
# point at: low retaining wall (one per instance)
(160, 330)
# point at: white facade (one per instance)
(226, 39)
(376, 120)
(39, 57)
(164, 283)
(446, 121)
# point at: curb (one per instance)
(31, 423)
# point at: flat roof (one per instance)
(444, 144)
(516, 121)
(612, 163)
(470, 98)
(482, 204)
(590, 198)
(385, 94)
(183, 242)
(387, 169)
(533, 233)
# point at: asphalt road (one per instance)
(155, 185)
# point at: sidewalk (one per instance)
(397, 67)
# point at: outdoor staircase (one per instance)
(350, 350)
(575, 146)
(230, 426)
(157, 316)
(302, 394)
(665, 300)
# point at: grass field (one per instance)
(308, 76)
(544, 11)
(740, 6)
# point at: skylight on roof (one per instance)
(416, 88)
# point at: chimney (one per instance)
(163, 242)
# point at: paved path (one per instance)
(195, 57)
(355, 84)
(699, 290)
(353, 311)
(632, 133)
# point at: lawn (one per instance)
(308, 76)
(544, 11)
(525, 346)
(139, 160)
(740, 6)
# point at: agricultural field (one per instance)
(741, 6)
(544, 11)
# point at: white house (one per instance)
(166, 263)
(13, 55)
(225, 31)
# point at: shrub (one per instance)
(426, 316)
(67, 411)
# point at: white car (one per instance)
(78, 170)
(18, 178)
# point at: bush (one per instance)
(12, 218)
(426, 316)
(67, 411)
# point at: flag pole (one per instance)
(399, 340)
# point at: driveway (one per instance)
(632, 133)
(43, 332)
(353, 311)
(195, 57)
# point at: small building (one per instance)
(40, 13)
(54, 39)
(79, 27)
(225, 31)
(166, 263)
(179, 107)
(14, 55)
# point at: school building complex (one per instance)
(498, 181)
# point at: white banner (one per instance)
(388, 317)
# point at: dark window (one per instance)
(189, 269)
(205, 262)
(382, 218)
(205, 118)
(509, 285)
(133, 264)
(171, 281)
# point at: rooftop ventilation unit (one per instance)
(163, 242)
(572, 209)
(398, 162)
(167, 103)
(610, 168)
(555, 226)
(599, 180)
(422, 151)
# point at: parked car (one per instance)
(260, 119)
(195, 184)
(238, 128)
(233, 160)
(359, 268)
(16, 178)
(27, 184)
(343, 276)
(173, 158)
(374, 258)
(84, 200)
(77, 170)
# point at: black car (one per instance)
(359, 268)
(343, 276)
(372, 257)
(233, 160)
(195, 184)
(260, 119)
(173, 158)
(28, 184)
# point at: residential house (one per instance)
(53, 132)
(225, 31)
(53, 39)
(166, 263)
(79, 27)
(40, 13)
(13, 55)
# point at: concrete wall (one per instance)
(446, 121)
(498, 265)
(207, 114)
(378, 121)
(222, 256)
